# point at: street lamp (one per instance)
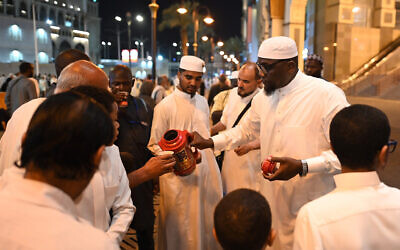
(204, 38)
(128, 16)
(153, 9)
(208, 20)
(118, 19)
(139, 18)
(220, 44)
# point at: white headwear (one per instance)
(279, 47)
(235, 74)
(192, 63)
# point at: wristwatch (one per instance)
(305, 168)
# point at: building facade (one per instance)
(60, 25)
(346, 33)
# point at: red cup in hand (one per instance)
(268, 167)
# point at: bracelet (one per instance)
(305, 168)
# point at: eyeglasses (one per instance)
(266, 67)
(392, 145)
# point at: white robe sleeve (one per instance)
(306, 235)
(122, 208)
(328, 161)
(247, 130)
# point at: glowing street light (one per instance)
(220, 44)
(174, 44)
(182, 10)
(118, 18)
(208, 20)
(139, 18)
(204, 38)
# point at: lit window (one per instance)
(15, 32)
(43, 57)
(16, 56)
(41, 35)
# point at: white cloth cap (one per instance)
(279, 47)
(192, 63)
(235, 74)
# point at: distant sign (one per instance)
(125, 55)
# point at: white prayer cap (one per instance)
(279, 47)
(192, 63)
(235, 74)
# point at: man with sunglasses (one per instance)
(187, 202)
(361, 212)
(291, 118)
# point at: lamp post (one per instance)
(153, 9)
(129, 22)
(208, 20)
(104, 49)
(118, 19)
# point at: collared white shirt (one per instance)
(108, 189)
(239, 171)
(293, 122)
(35, 215)
(361, 213)
(187, 203)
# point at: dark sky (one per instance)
(226, 13)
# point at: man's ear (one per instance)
(271, 237)
(383, 157)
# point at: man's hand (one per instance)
(159, 165)
(289, 168)
(199, 142)
(244, 149)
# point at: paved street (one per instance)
(391, 174)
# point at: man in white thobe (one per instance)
(241, 166)
(187, 202)
(361, 212)
(109, 187)
(37, 211)
(291, 118)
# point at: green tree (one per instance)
(234, 45)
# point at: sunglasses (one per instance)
(392, 145)
(266, 67)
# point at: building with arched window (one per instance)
(61, 24)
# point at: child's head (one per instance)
(359, 136)
(242, 220)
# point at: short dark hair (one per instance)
(24, 67)
(357, 134)
(102, 96)
(64, 134)
(67, 57)
(242, 220)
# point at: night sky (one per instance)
(226, 13)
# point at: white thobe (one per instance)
(35, 215)
(239, 171)
(108, 189)
(186, 202)
(293, 122)
(360, 213)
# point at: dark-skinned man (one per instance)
(313, 66)
(135, 117)
(187, 202)
(291, 118)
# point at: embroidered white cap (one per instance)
(235, 74)
(192, 63)
(278, 47)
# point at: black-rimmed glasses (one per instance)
(266, 67)
(392, 145)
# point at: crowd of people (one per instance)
(79, 167)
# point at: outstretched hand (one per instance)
(199, 142)
(159, 165)
(289, 168)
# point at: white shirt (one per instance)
(108, 189)
(158, 93)
(239, 171)
(293, 122)
(187, 203)
(361, 213)
(35, 215)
